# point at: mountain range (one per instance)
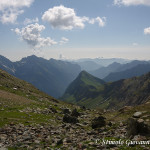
(54, 76)
(51, 76)
(138, 70)
(102, 61)
(106, 72)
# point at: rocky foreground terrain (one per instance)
(76, 129)
(32, 120)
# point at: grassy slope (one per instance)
(17, 95)
(84, 90)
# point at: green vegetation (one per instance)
(20, 102)
(91, 92)
(84, 90)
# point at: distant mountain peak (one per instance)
(83, 73)
(30, 57)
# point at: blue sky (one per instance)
(75, 28)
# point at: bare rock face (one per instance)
(98, 122)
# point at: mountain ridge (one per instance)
(114, 95)
(138, 70)
(51, 76)
(116, 67)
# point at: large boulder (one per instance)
(75, 113)
(98, 122)
(70, 119)
(137, 126)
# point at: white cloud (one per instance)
(29, 21)
(31, 34)
(132, 2)
(66, 19)
(63, 40)
(147, 30)
(101, 21)
(10, 9)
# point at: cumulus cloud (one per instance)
(31, 34)
(63, 40)
(132, 2)
(66, 19)
(29, 21)
(10, 9)
(147, 30)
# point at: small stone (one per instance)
(37, 141)
(3, 137)
(140, 121)
(79, 124)
(137, 114)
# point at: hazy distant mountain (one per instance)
(116, 67)
(131, 65)
(51, 76)
(135, 71)
(104, 71)
(88, 65)
(104, 61)
(87, 91)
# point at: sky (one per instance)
(73, 29)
